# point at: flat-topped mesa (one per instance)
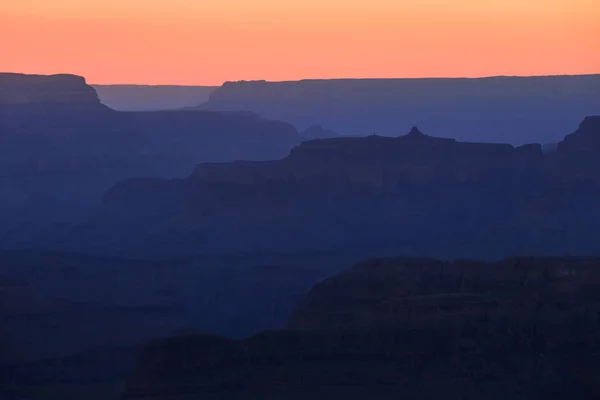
(380, 162)
(585, 140)
(468, 108)
(33, 90)
(341, 89)
(415, 151)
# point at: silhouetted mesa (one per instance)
(21, 89)
(61, 149)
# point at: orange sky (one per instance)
(211, 41)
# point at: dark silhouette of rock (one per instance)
(380, 161)
(372, 195)
(577, 157)
(585, 140)
(521, 328)
(503, 109)
(30, 90)
(415, 132)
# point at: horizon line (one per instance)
(312, 79)
(351, 79)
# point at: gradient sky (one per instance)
(211, 41)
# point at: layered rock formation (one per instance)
(415, 328)
(381, 162)
(514, 110)
(373, 195)
(421, 293)
(61, 148)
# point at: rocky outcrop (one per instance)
(585, 141)
(577, 157)
(514, 110)
(521, 328)
(421, 293)
(381, 162)
(29, 90)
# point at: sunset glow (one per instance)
(208, 42)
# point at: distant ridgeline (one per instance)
(61, 148)
(411, 195)
(501, 109)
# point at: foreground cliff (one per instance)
(418, 328)
(514, 110)
(424, 293)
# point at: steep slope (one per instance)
(421, 293)
(405, 328)
(514, 110)
(585, 140)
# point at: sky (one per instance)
(207, 42)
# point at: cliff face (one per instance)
(514, 110)
(61, 149)
(416, 192)
(421, 293)
(585, 141)
(394, 328)
(21, 89)
(577, 157)
(381, 162)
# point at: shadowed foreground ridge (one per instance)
(521, 328)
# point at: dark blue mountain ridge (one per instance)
(504, 109)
